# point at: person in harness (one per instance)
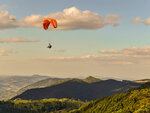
(49, 46)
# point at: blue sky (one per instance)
(76, 43)
(26, 7)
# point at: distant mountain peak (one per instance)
(91, 79)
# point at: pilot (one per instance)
(49, 46)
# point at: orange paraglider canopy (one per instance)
(47, 21)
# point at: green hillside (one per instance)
(136, 100)
(41, 106)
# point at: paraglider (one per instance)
(48, 21)
(49, 46)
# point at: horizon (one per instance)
(78, 77)
(99, 37)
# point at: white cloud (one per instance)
(72, 58)
(139, 20)
(147, 21)
(16, 39)
(32, 21)
(132, 51)
(58, 58)
(72, 18)
(7, 20)
(132, 55)
(89, 58)
(69, 19)
(5, 52)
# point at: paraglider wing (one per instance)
(47, 22)
(54, 23)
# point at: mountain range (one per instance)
(88, 89)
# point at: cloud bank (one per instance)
(73, 18)
(89, 58)
(69, 19)
(131, 51)
(139, 20)
(131, 55)
(16, 39)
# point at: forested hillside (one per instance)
(136, 100)
(41, 106)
